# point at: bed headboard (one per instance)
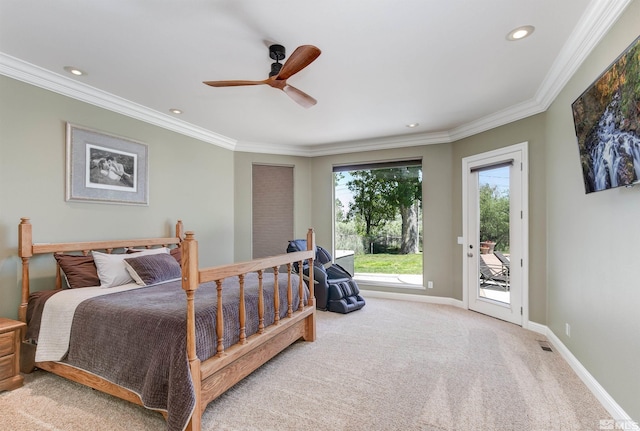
(27, 248)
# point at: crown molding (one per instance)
(265, 148)
(34, 75)
(384, 143)
(509, 115)
(357, 146)
(592, 27)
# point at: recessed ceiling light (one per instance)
(75, 71)
(520, 32)
(175, 111)
(413, 125)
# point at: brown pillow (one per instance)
(177, 254)
(80, 271)
(153, 269)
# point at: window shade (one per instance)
(272, 208)
(378, 165)
(492, 166)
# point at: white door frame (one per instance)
(523, 229)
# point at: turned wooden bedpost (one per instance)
(311, 245)
(289, 292)
(219, 320)
(260, 304)
(25, 251)
(242, 312)
(276, 297)
(310, 327)
(179, 230)
(190, 282)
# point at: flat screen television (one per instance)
(607, 122)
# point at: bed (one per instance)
(175, 336)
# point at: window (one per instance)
(378, 221)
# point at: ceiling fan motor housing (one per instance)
(276, 52)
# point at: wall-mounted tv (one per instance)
(607, 122)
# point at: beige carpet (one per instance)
(393, 365)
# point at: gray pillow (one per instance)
(153, 269)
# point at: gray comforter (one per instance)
(137, 339)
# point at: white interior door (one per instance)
(495, 233)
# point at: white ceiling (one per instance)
(445, 64)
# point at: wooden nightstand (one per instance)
(10, 331)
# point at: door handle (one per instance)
(469, 254)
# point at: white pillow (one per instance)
(111, 269)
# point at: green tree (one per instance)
(340, 215)
(406, 196)
(494, 216)
(369, 207)
(380, 195)
(339, 206)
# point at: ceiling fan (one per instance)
(302, 57)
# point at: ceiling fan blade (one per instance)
(302, 98)
(302, 57)
(236, 83)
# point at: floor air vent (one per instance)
(545, 346)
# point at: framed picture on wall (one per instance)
(607, 122)
(105, 168)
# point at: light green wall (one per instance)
(439, 239)
(242, 184)
(188, 180)
(593, 255)
(531, 130)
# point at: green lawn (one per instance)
(389, 263)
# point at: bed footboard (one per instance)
(227, 367)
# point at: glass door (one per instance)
(494, 234)
(494, 258)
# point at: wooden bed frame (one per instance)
(213, 376)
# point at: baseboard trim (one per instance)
(412, 297)
(624, 421)
(536, 327)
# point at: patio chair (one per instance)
(492, 277)
(504, 260)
